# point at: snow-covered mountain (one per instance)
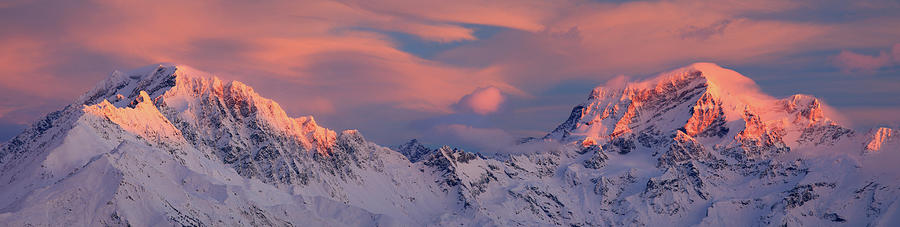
(170, 145)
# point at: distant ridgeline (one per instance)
(700, 145)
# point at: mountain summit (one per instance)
(171, 145)
(702, 100)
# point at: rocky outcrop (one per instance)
(878, 138)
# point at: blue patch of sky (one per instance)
(816, 75)
(827, 11)
(572, 87)
(8, 131)
(427, 49)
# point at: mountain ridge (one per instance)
(168, 144)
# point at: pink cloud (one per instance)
(482, 101)
(850, 62)
(19, 60)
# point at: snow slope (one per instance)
(171, 145)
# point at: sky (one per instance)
(471, 73)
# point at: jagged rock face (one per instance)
(878, 138)
(169, 145)
(249, 132)
(676, 190)
(707, 118)
(806, 109)
(413, 150)
(684, 148)
(758, 140)
(597, 160)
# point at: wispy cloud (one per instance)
(853, 63)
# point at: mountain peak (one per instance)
(141, 117)
(714, 79)
(121, 87)
(719, 81)
(182, 92)
(701, 100)
(414, 150)
(805, 108)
